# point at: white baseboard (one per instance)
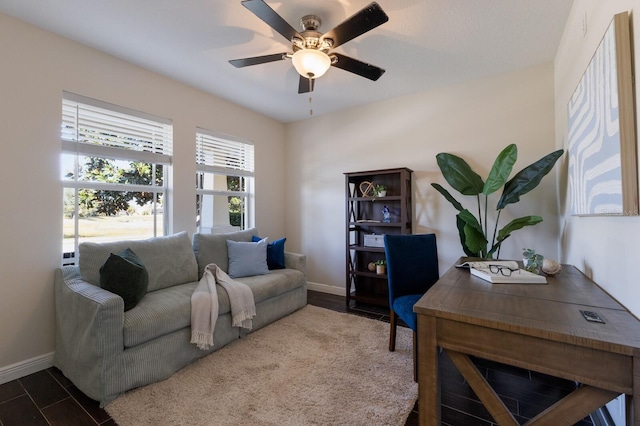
(324, 288)
(24, 368)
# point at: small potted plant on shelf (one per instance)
(380, 266)
(379, 191)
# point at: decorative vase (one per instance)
(386, 214)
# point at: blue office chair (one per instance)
(412, 268)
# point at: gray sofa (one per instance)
(105, 351)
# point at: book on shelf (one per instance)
(502, 272)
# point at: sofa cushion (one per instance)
(125, 275)
(274, 284)
(164, 311)
(213, 248)
(275, 252)
(169, 259)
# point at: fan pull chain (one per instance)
(310, 98)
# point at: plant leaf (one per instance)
(470, 219)
(516, 224)
(501, 169)
(475, 240)
(459, 222)
(463, 239)
(459, 174)
(527, 179)
(512, 226)
(448, 196)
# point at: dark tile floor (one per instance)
(49, 398)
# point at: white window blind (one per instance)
(97, 128)
(222, 154)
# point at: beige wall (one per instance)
(475, 120)
(36, 67)
(605, 248)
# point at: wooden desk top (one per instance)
(550, 311)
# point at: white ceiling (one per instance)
(425, 44)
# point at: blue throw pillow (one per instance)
(125, 275)
(247, 259)
(275, 252)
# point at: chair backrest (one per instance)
(412, 263)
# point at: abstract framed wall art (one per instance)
(603, 171)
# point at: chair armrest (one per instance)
(89, 333)
(296, 261)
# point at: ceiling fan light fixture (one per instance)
(311, 63)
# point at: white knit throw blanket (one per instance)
(204, 305)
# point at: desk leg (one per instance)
(428, 377)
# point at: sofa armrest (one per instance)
(296, 261)
(89, 334)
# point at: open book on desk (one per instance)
(502, 272)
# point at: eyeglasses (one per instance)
(504, 270)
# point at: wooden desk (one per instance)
(537, 327)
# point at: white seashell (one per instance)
(550, 267)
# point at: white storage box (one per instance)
(373, 240)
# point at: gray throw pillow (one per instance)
(247, 259)
(125, 275)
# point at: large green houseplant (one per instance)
(473, 231)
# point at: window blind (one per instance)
(96, 128)
(223, 154)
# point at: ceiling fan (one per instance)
(311, 50)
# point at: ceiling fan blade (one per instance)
(363, 21)
(357, 67)
(256, 60)
(306, 84)
(271, 18)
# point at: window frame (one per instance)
(82, 115)
(242, 165)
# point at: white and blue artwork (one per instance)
(595, 171)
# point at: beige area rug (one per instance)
(313, 367)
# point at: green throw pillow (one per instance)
(125, 275)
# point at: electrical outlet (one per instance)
(592, 316)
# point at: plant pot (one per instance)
(380, 269)
(382, 194)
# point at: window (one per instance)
(114, 168)
(224, 182)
